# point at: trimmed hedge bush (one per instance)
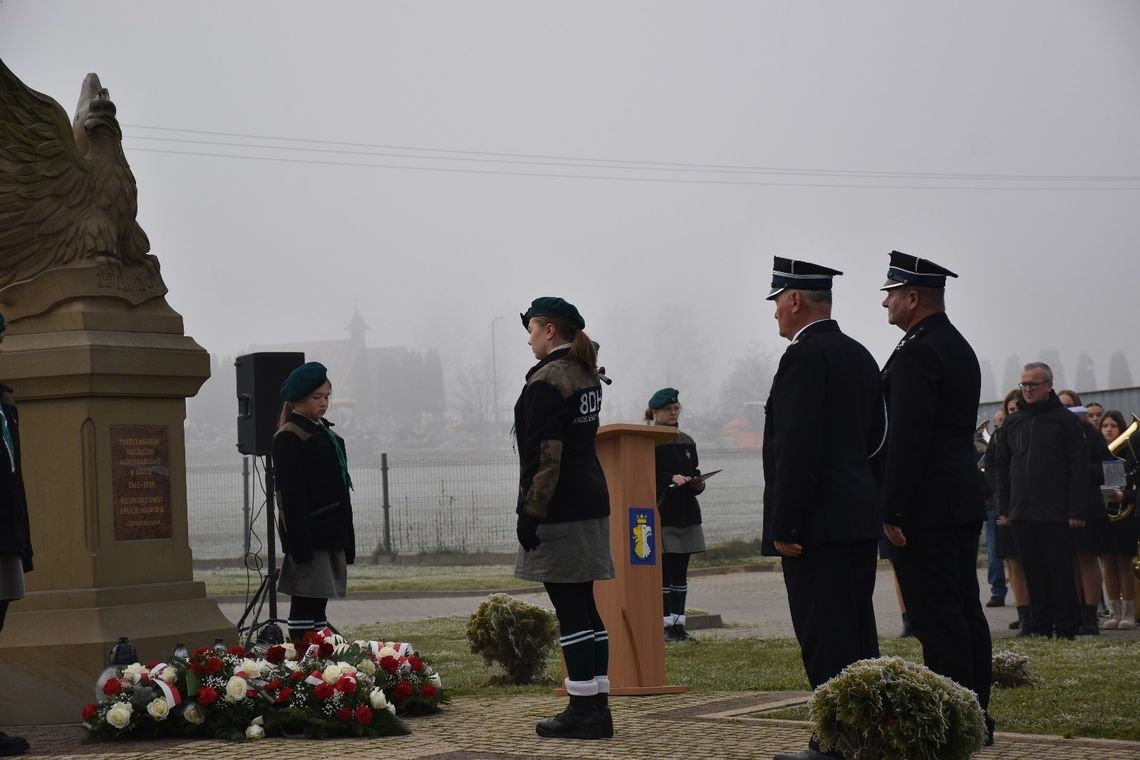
(520, 637)
(891, 709)
(1011, 669)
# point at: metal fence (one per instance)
(457, 503)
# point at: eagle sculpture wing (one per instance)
(60, 206)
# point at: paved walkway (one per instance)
(728, 726)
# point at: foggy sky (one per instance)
(883, 125)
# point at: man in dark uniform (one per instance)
(933, 504)
(823, 420)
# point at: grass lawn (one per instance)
(1084, 688)
(362, 577)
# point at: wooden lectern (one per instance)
(630, 604)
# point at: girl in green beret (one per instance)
(315, 508)
(678, 483)
(563, 508)
(15, 536)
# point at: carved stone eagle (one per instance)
(67, 196)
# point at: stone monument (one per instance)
(101, 370)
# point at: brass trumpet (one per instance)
(1118, 511)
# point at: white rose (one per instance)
(120, 715)
(255, 732)
(367, 667)
(194, 714)
(132, 672)
(158, 709)
(250, 667)
(258, 721)
(290, 652)
(377, 699)
(346, 669)
(168, 674)
(236, 688)
(332, 674)
(436, 681)
(385, 651)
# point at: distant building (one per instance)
(379, 394)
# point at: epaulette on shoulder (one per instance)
(295, 429)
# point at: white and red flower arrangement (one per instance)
(322, 686)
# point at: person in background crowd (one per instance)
(563, 524)
(1006, 546)
(1042, 463)
(1117, 559)
(15, 534)
(823, 421)
(995, 571)
(1092, 539)
(1095, 413)
(313, 488)
(932, 504)
(678, 483)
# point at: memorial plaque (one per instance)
(140, 481)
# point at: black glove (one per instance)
(527, 531)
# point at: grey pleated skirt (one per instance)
(324, 577)
(687, 539)
(11, 577)
(570, 552)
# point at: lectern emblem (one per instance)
(642, 544)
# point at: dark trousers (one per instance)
(938, 575)
(1048, 555)
(829, 594)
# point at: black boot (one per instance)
(1089, 623)
(683, 635)
(580, 720)
(12, 745)
(906, 631)
(990, 724)
(602, 703)
(671, 634)
(1023, 618)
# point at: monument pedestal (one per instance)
(630, 604)
(101, 416)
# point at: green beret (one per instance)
(549, 306)
(663, 398)
(303, 381)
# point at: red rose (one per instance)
(429, 691)
(346, 683)
(416, 664)
(326, 649)
(112, 687)
(344, 713)
(251, 693)
(207, 695)
(363, 715)
(88, 712)
(236, 651)
(284, 694)
(213, 665)
(273, 685)
(275, 654)
(311, 638)
(323, 691)
(403, 690)
(389, 664)
(296, 676)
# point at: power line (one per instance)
(614, 178)
(623, 163)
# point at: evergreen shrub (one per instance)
(520, 637)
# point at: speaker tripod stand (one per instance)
(266, 631)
